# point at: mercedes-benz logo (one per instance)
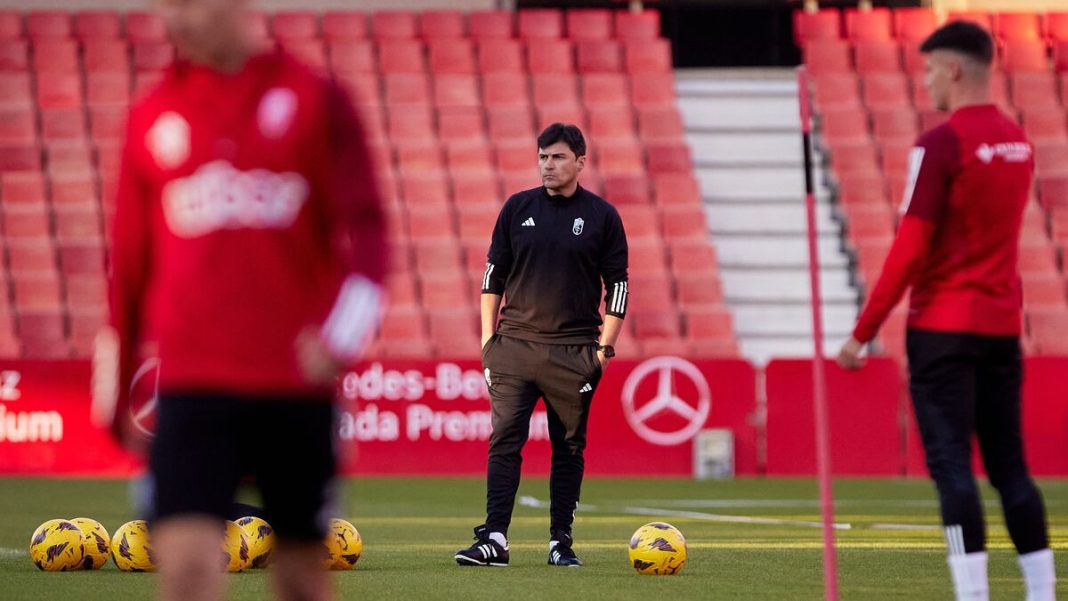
(144, 396)
(666, 400)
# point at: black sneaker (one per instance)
(560, 552)
(484, 552)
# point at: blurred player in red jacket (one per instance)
(249, 237)
(956, 248)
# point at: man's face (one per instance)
(940, 70)
(559, 166)
(201, 29)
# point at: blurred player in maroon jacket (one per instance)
(249, 235)
(956, 247)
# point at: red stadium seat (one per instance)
(692, 256)
(48, 24)
(456, 89)
(403, 322)
(697, 290)
(55, 55)
(500, 55)
(872, 24)
(648, 90)
(620, 157)
(506, 89)
(63, 124)
(644, 25)
(345, 26)
(152, 56)
(827, 56)
(145, 27)
(19, 187)
(415, 156)
(84, 326)
(110, 56)
(484, 25)
(408, 122)
(865, 221)
(1017, 26)
(642, 221)
(20, 157)
(515, 155)
(461, 124)
(550, 56)
(27, 221)
(899, 122)
(655, 323)
(914, 60)
(589, 24)
(352, 56)
(86, 290)
(406, 88)
(451, 56)
(1047, 326)
(424, 189)
(646, 257)
(836, 90)
(82, 257)
(914, 24)
(364, 89)
(1024, 55)
(603, 89)
(295, 25)
(41, 333)
(78, 221)
(1037, 256)
(821, 25)
(453, 327)
(510, 122)
(1033, 90)
(668, 157)
(980, 18)
(676, 189)
(612, 122)
(862, 188)
(1057, 26)
(310, 52)
(877, 56)
(626, 188)
(561, 113)
(18, 126)
(711, 321)
(894, 156)
(598, 56)
(1051, 158)
(393, 25)
(472, 188)
(38, 291)
(400, 56)
(14, 55)
(10, 25)
(660, 123)
(438, 256)
(441, 24)
(1043, 289)
(476, 221)
(647, 56)
(540, 23)
(433, 222)
(93, 24)
(550, 89)
(681, 222)
(885, 90)
(30, 256)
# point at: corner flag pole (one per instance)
(819, 385)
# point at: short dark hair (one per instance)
(961, 36)
(566, 133)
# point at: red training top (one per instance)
(247, 211)
(958, 240)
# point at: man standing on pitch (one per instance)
(249, 243)
(552, 248)
(956, 247)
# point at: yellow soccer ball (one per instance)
(658, 549)
(96, 541)
(235, 548)
(343, 545)
(260, 537)
(131, 549)
(56, 546)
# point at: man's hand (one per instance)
(604, 360)
(849, 356)
(105, 379)
(317, 364)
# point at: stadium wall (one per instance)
(432, 418)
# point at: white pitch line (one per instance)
(736, 519)
(5, 552)
(916, 527)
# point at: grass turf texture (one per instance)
(412, 526)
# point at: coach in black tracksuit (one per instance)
(552, 248)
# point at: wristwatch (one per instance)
(608, 350)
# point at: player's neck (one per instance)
(567, 192)
(970, 96)
(231, 59)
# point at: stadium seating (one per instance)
(451, 103)
(870, 104)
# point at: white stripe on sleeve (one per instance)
(486, 276)
(354, 318)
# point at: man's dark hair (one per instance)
(961, 36)
(566, 133)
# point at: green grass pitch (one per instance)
(749, 539)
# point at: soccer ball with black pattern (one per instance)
(131, 549)
(96, 541)
(658, 549)
(56, 546)
(235, 548)
(343, 544)
(260, 537)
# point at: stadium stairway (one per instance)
(744, 129)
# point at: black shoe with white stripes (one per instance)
(484, 552)
(560, 552)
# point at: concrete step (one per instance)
(765, 87)
(769, 219)
(738, 149)
(745, 251)
(740, 113)
(759, 184)
(785, 286)
(792, 320)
